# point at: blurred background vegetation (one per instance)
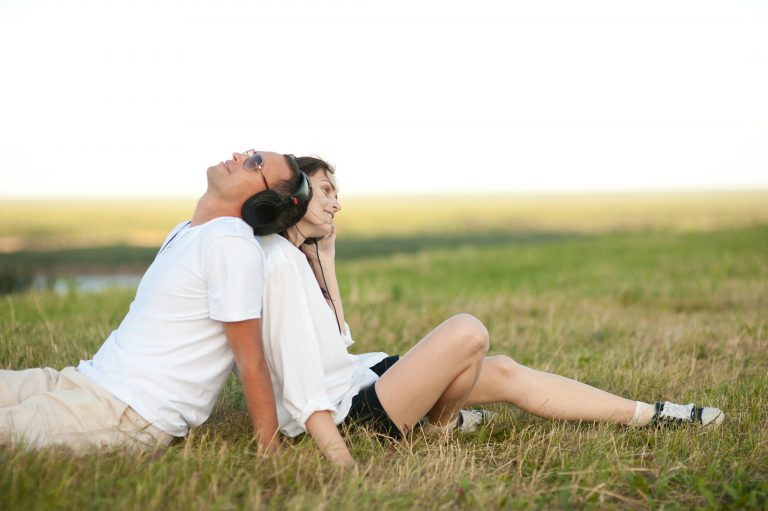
(43, 243)
(653, 296)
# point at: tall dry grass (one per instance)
(651, 315)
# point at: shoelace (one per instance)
(675, 412)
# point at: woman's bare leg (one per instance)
(436, 376)
(546, 394)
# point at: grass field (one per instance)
(56, 224)
(654, 311)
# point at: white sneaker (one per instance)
(470, 420)
(668, 414)
(467, 422)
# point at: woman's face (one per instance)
(318, 220)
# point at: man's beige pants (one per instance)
(40, 407)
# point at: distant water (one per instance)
(86, 283)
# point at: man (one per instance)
(197, 309)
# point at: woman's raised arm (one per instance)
(322, 258)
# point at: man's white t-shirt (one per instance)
(310, 366)
(169, 358)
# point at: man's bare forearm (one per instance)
(260, 401)
(244, 338)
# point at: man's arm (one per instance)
(244, 339)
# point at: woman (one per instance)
(318, 384)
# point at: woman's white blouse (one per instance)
(309, 363)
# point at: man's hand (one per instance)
(244, 339)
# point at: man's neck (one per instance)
(210, 207)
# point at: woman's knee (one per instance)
(470, 333)
(504, 366)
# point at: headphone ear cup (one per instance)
(303, 193)
(261, 209)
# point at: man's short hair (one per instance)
(287, 216)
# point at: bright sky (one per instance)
(124, 98)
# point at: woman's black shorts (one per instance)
(366, 407)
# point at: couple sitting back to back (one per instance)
(215, 294)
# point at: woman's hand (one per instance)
(327, 245)
(321, 427)
(325, 249)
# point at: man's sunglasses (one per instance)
(255, 162)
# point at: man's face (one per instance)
(236, 181)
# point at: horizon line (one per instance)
(453, 194)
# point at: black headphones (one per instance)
(265, 207)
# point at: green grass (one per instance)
(652, 315)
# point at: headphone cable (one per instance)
(325, 290)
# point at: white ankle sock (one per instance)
(643, 414)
